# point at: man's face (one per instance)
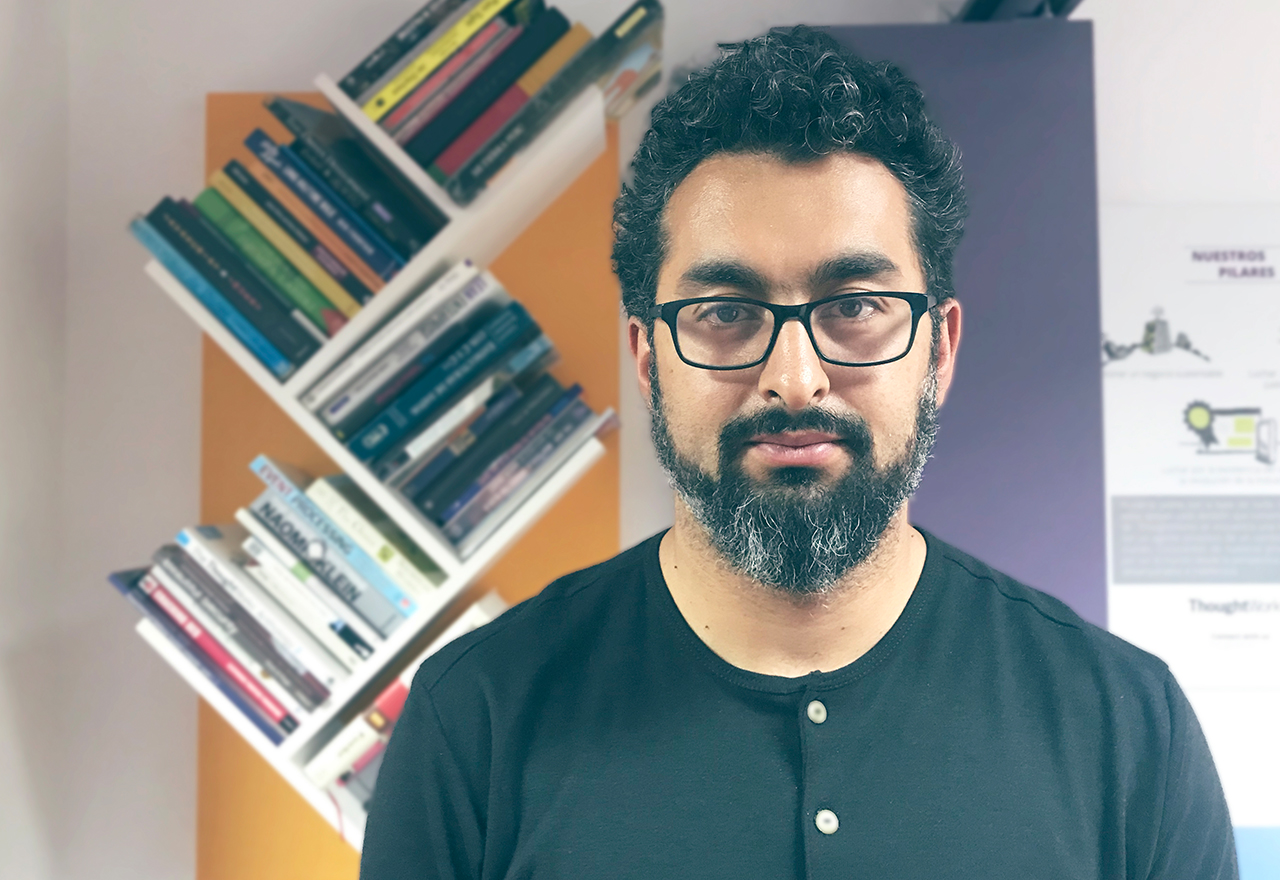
(795, 466)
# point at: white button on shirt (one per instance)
(826, 821)
(817, 713)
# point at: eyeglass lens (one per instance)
(853, 330)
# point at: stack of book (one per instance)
(464, 84)
(279, 607)
(347, 765)
(286, 247)
(450, 404)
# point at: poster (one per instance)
(1191, 402)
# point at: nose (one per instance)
(793, 374)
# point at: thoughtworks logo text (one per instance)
(1235, 606)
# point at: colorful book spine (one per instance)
(260, 254)
(437, 52)
(286, 240)
(429, 393)
(368, 352)
(251, 685)
(297, 208)
(127, 583)
(587, 66)
(307, 186)
(539, 36)
(334, 503)
(472, 417)
(389, 51)
(279, 481)
(274, 557)
(240, 327)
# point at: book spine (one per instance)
(585, 68)
(208, 566)
(497, 447)
(380, 342)
(367, 537)
(297, 208)
(486, 414)
(411, 356)
(444, 431)
(321, 199)
(259, 253)
(499, 76)
(291, 226)
(535, 448)
(538, 476)
(225, 661)
(392, 49)
(434, 54)
(327, 562)
(286, 241)
(448, 82)
(126, 583)
(311, 590)
(249, 336)
(431, 391)
(341, 752)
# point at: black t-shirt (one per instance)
(991, 733)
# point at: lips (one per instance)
(796, 448)
(795, 439)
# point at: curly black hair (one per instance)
(797, 94)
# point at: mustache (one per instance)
(852, 429)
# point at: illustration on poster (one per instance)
(1246, 432)
(1156, 339)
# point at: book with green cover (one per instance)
(259, 253)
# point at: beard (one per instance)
(795, 531)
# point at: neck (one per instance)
(766, 630)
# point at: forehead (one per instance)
(783, 218)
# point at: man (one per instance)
(793, 681)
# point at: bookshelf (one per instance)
(568, 177)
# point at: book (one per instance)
(425, 345)
(513, 425)
(435, 93)
(438, 385)
(363, 775)
(212, 299)
(212, 558)
(375, 724)
(459, 428)
(273, 557)
(251, 685)
(538, 37)
(404, 218)
(280, 651)
(259, 253)
(532, 450)
(403, 79)
(392, 331)
(539, 473)
(641, 22)
(317, 195)
(353, 512)
(531, 357)
(279, 321)
(393, 48)
(509, 102)
(298, 209)
(287, 236)
(127, 583)
(287, 486)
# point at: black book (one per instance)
(539, 36)
(325, 143)
(299, 233)
(591, 64)
(396, 46)
(471, 464)
(217, 260)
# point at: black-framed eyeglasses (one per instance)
(862, 329)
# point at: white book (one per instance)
(388, 335)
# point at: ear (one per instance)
(638, 340)
(948, 344)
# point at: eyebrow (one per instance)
(852, 266)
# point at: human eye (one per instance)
(723, 314)
(853, 308)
